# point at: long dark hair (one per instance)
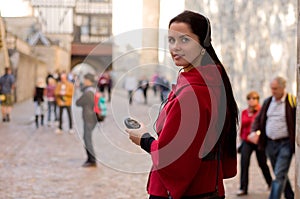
(200, 26)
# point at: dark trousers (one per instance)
(130, 95)
(246, 151)
(61, 108)
(145, 95)
(87, 137)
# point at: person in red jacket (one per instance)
(247, 117)
(196, 145)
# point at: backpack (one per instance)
(292, 100)
(100, 107)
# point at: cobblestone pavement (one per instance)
(37, 163)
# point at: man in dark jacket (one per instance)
(276, 121)
(7, 86)
(86, 101)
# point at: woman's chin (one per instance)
(181, 64)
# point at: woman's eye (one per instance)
(185, 39)
(171, 40)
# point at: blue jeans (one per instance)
(280, 154)
(52, 107)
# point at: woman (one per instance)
(196, 145)
(247, 118)
(50, 89)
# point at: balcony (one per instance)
(93, 8)
(53, 3)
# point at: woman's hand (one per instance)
(135, 135)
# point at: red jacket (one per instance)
(189, 117)
(246, 122)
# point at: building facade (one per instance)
(79, 27)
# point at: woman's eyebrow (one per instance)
(184, 35)
(181, 36)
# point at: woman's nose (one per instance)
(175, 46)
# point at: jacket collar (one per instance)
(208, 75)
(282, 99)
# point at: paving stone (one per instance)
(38, 164)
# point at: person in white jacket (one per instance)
(130, 84)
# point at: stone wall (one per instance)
(32, 62)
(27, 71)
(54, 58)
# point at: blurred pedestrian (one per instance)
(109, 86)
(70, 77)
(196, 145)
(86, 101)
(49, 75)
(277, 122)
(154, 83)
(105, 83)
(247, 117)
(164, 86)
(100, 106)
(130, 84)
(50, 90)
(56, 75)
(38, 98)
(64, 94)
(144, 85)
(7, 86)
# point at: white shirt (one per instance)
(276, 126)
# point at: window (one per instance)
(100, 25)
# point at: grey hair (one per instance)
(281, 81)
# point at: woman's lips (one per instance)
(176, 56)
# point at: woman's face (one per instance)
(184, 45)
(252, 101)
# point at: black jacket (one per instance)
(261, 120)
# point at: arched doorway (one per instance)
(79, 71)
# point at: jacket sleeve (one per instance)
(241, 124)
(57, 89)
(69, 91)
(175, 154)
(258, 125)
(81, 100)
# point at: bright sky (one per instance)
(125, 20)
(14, 8)
(168, 10)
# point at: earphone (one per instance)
(207, 39)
